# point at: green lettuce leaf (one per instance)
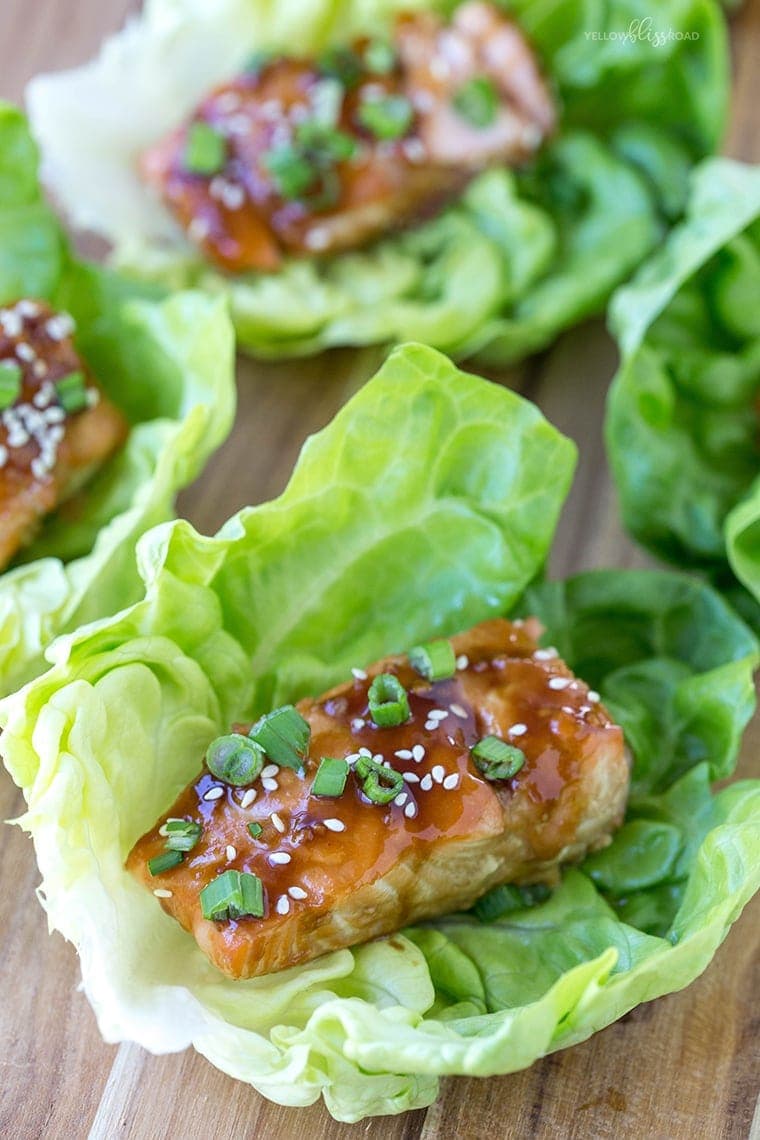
(682, 421)
(428, 504)
(167, 363)
(519, 257)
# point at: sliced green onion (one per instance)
(477, 101)
(255, 830)
(182, 834)
(164, 862)
(205, 149)
(387, 118)
(436, 660)
(252, 897)
(284, 735)
(388, 702)
(380, 57)
(233, 894)
(343, 64)
(235, 759)
(71, 392)
(379, 784)
(324, 144)
(10, 383)
(331, 777)
(290, 169)
(496, 759)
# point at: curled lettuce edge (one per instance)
(498, 286)
(103, 742)
(715, 518)
(167, 362)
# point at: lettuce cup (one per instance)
(551, 164)
(113, 396)
(427, 505)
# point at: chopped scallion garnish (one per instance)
(10, 383)
(71, 392)
(324, 144)
(291, 171)
(235, 758)
(388, 702)
(284, 735)
(233, 894)
(380, 57)
(477, 101)
(331, 777)
(435, 661)
(343, 64)
(387, 118)
(182, 834)
(496, 759)
(164, 862)
(379, 784)
(205, 149)
(255, 830)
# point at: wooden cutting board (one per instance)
(685, 1066)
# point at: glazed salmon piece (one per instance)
(300, 157)
(56, 428)
(338, 870)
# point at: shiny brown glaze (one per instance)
(46, 454)
(398, 863)
(239, 219)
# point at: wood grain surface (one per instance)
(684, 1066)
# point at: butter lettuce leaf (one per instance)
(682, 424)
(167, 363)
(428, 504)
(517, 258)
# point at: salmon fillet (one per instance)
(57, 427)
(299, 157)
(337, 871)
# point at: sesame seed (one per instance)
(283, 904)
(269, 785)
(39, 369)
(60, 326)
(518, 730)
(593, 696)
(237, 125)
(418, 753)
(438, 772)
(411, 777)
(93, 397)
(231, 852)
(162, 893)
(401, 799)
(359, 674)
(39, 468)
(269, 771)
(414, 150)
(451, 781)
(28, 309)
(431, 725)
(248, 797)
(25, 352)
(279, 858)
(334, 824)
(54, 415)
(11, 322)
(228, 102)
(463, 661)
(459, 711)
(426, 782)
(357, 724)
(318, 237)
(198, 230)
(277, 822)
(438, 714)
(547, 654)
(410, 810)
(3, 455)
(559, 683)
(363, 751)
(297, 892)
(403, 754)
(214, 793)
